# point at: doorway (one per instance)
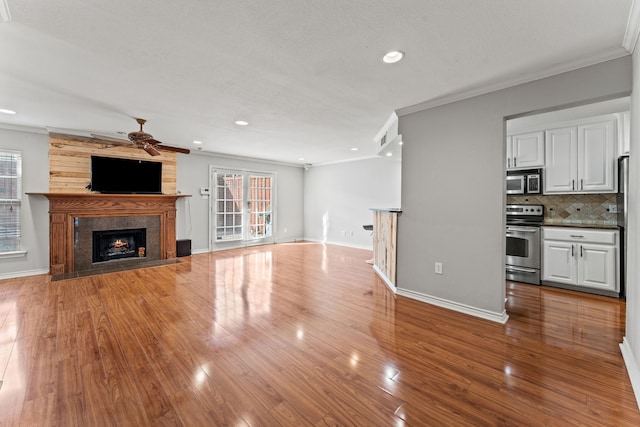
(242, 211)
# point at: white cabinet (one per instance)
(624, 132)
(525, 151)
(581, 257)
(581, 159)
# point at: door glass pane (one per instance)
(229, 206)
(260, 206)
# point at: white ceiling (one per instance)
(306, 75)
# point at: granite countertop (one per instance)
(582, 224)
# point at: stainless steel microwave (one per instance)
(524, 181)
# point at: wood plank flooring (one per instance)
(300, 335)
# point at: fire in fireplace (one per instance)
(117, 244)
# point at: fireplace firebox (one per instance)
(117, 244)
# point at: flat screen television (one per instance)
(112, 175)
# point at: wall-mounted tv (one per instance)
(114, 175)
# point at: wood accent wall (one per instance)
(385, 232)
(70, 162)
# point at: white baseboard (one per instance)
(26, 273)
(367, 247)
(455, 306)
(632, 368)
(385, 279)
(200, 251)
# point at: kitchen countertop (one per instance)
(386, 209)
(599, 225)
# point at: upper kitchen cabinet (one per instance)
(525, 151)
(582, 158)
(624, 132)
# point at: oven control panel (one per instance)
(525, 210)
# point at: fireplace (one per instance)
(110, 245)
(73, 218)
(133, 232)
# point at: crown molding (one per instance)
(392, 118)
(244, 158)
(5, 14)
(526, 78)
(633, 28)
(22, 128)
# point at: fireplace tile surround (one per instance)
(155, 212)
(83, 239)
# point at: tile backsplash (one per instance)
(572, 209)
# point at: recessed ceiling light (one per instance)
(241, 123)
(389, 154)
(399, 142)
(5, 111)
(197, 142)
(393, 56)
(301, 158)
(354, 149)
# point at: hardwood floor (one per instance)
(300, 334)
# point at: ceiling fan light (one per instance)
(393, 57)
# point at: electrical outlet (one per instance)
(438, 268)
(613, 209)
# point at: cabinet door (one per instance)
(561, 150)
(559, 262)
(596, 157)
(597, 266)
(509, 153)
(624, 131)
(528, 150)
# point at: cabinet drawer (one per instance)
(585, 235)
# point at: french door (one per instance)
(242, 208)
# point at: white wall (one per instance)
(192, 220)
(453, 179)
(35, 209)
(631, 343)
(338, 199)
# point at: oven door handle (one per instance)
(523, 229)
(512, 269)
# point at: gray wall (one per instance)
(453, 183)
(338, 199)
(35, 209)
(193, 212)
(631, 345)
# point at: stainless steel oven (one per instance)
(523, 243)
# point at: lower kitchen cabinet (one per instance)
(581, 257)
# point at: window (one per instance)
(10, 199)
(229, 193)
(259, 206)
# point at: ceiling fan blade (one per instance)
(173, 149)
(150, 148)
(111, 139)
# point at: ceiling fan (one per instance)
(142, 140)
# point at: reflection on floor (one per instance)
(113, 266)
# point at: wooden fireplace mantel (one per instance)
(64, 207)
